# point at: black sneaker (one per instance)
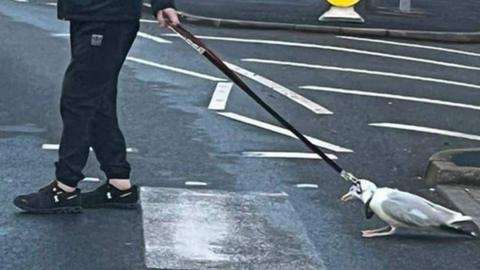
(108, 196)
(50, 200)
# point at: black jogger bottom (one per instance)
(89, 100)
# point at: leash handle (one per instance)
(202, 49)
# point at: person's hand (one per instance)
(168, 14)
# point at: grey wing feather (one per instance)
(412, 210)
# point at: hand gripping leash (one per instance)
(201, 48)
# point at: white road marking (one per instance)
(50, 146)
(283, 131)
(57, 147)
(196, 184)
(21, 1)
(312, 106)
(195, 229)
(91, 179)
(153, 38)
(411, 45)
(132, 150)
(390, 96)
(139, 34)
(220, 96)
(363, 71)
(428, 130)
(51, 4)
(175, 69)
(147, 5)
(60, 35)
(148, 21)
(313, 186)
(338, 49)
(293, 155)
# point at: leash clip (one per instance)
(349, 177)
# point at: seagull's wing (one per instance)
(416, 211)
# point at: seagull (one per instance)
(401, 209)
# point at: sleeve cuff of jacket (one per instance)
(158, 5)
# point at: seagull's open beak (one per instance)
(347, 197)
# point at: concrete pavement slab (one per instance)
(466, 199)
(455, 166)
(203, 229)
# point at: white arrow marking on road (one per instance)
(337, 48)
(57, 147)
(411, 45)
(153, 38)
(283, 131)
(293, 155)
(390, 96)
(220, 96)
(175, 69)
(428, 130)
(312, 106)
(362, 71)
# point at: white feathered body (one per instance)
(403, 209)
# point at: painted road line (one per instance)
(51, 4)
(306, 186)
(428, 130)
(412, 45)
(292, 155)
(174, 69)
(60, 35)
(56, 147)
(362, 71)
(339, 49)
(148, 21)
(220, 96)
(390, 96)
(312, 106)
(139, 34)
(153, 38)
(147, 5)
(50, 146)
(199, 229)
(283, 131)
(91, 179)
(132, 150)
(196, 184)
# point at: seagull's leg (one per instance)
(376, 230)
(370, 235)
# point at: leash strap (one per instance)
(202, 49)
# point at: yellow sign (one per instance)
(343, 3)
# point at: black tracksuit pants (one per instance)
(89, 100)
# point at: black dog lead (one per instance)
(201, 48)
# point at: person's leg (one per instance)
(96, 61)
(107, 139)
(108, 142)
(86, 80)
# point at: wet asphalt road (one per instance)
(164, 115)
